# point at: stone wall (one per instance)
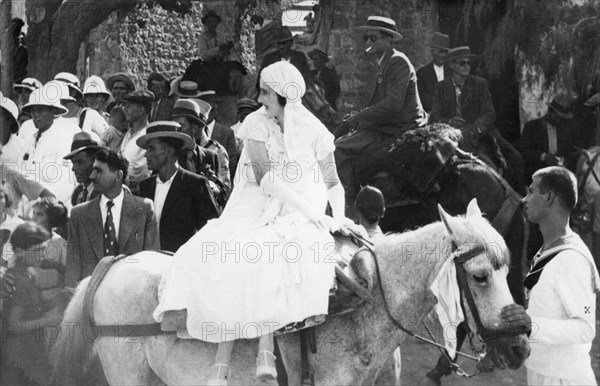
(147, 40)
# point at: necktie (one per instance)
(83, 195)
(458, 88)
(110, 235)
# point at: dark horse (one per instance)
(425, 167)
(213, 75)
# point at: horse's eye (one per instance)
(480, 278)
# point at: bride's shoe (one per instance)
(265, 366)
(221, 377)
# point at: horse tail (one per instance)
(73, 351)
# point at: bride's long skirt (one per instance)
(240, 279)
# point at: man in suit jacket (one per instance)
(326, 76)
(83, 150)
(113, 223)
(285, 52)
(394, 107)
(183, 201)
(434, 72)
(548, 141)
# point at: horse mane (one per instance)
(472, 231)
(414, 157)
(73, 358)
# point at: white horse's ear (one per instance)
(447, 220)
(473, 209)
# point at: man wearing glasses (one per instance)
(394, 106)
(464, 101)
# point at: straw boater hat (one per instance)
(319, 52)
(248, 103)
(27, 84)
(122, 77)
(561, 105)
(95, 85)
(72, 82)
(441, 41)
(209, 96)
(189, 109)
(187, 89)
(165, 129)
(210, 13)
(383, 24)
(48, 95)
(83, 141)
(12, 109)
(459, 53)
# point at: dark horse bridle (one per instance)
(460, 256)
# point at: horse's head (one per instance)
(314, 100)
(588, 173)
(482, 259)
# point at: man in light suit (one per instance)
(183, 201)
(113, 223)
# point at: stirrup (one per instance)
(265, 366)
(219, 380)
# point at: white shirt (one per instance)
(160, 195)
(116, 210)
(439, 72)
(210, 128)
(552, 139)
(562, 307)
(27, 129)
(14, 149)
(45, 158)
(93, 122)
(138, 169)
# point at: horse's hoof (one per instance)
(426, 381)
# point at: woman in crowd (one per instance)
(275, 219)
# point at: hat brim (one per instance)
(568, 115)
(439, 47)
(395, 34)
(119, 78)
(198, 94)
(60, 108)
(189, 116)
(71, 154)
(465, 56)
(188, 142)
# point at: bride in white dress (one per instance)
(268, 261)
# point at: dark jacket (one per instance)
(205, 162)
(226, 137)
(188, 206)
(477, 106)
(77, 192)
(394, 106)
(534, 142)
(427, 83)
(330, 82)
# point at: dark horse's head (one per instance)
(314, 100)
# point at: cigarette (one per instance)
(368, 49)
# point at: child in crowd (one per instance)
(113, 136)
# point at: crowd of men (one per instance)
(152, 165)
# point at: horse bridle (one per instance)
(460, 256)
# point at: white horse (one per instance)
(351, 347)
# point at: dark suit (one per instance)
(78, 190)
(188, 206)
(162, 110)
(226, 137)
(476, 101)
(205, 162)
(394, 108)
(427, 83)
(534, 142)
(330, 82)
(297, 58)
(137, 232)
